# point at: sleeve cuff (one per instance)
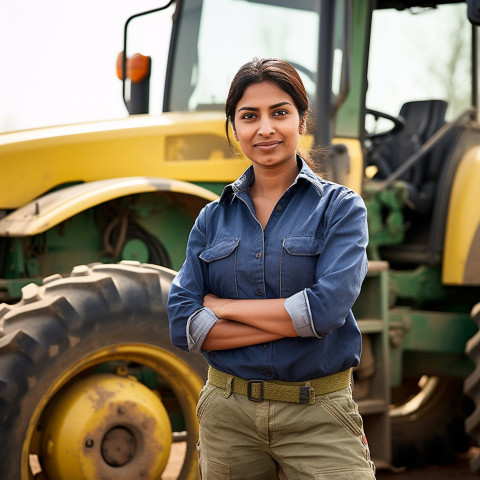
(198, 326)
(298, 307)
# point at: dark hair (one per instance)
(261, 70)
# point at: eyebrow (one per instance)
(255, 109)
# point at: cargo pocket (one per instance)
(207, 394)
(356, 474)
(221, 260)
(298, 263)
(344, 411)
(213, 470)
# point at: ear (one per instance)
(303, 125)
(235, 136)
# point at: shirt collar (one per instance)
(242, 184)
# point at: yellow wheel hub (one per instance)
(95, 430)
(77, 405)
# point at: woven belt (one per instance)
(294, 392)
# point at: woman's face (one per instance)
(267, 125)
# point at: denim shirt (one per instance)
(312, 252)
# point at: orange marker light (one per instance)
(138, 67)
(120, 65)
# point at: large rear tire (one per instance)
(428, 428)
(70, 351)
(472, 388)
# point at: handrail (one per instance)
(345, 73)
(433, 141)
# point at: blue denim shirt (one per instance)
(312, 253)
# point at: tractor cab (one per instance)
(392, 88)
(419, 106)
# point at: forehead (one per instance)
(264, 94)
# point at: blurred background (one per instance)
(58, 58)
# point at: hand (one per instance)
(215, 304)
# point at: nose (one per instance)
(265, 128)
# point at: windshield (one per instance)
(420, 54)
(216, 37)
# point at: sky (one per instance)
(58, 58)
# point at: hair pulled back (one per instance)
(260, 70)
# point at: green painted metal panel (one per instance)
(212, 186)
(428, 343)
(349, 121)
(423, 284)
(431, 331)
(417, 364)
(163, 219)
(386, 224)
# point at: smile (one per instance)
(267, 146)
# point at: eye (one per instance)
(280, 113)
(248, 116)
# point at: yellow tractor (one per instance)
(94, 220)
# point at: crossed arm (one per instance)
(246, 322)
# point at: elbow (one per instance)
(327, 318)
(179, 341)
(326, 326)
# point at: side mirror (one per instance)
(474, 11)
(138, 72)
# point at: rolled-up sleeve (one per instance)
(189, 320)
(198, 326)
(341, 269)
(298, 307)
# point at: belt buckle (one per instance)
(249, 390)
(306, 394)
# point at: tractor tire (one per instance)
(472, 388)
(69, 396)
(429, 428)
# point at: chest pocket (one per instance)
(299, 262)
(221, 260)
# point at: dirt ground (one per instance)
(458, 470)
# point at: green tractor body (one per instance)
(94, 222)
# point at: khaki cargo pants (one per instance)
(245, 440)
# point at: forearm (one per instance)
(264, 314)
(227, 334)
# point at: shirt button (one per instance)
(278, 208)
(259, 293)
(258, 254)
(269, 374)
(266, 345)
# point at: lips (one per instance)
(267, 146)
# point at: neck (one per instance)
(274, 181)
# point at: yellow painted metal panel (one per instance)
(36, 161)
(53, 208)
(463, 218)
(355, 171)
(188, 146)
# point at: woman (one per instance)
(271, 273)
